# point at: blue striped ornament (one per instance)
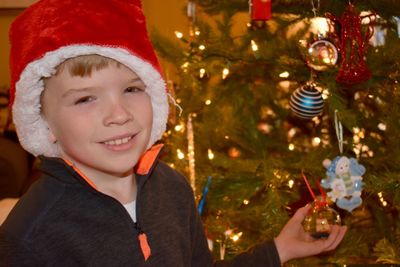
(306, 102)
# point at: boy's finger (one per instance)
(339, 237)
(301, 213)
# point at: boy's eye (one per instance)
(133, 89)
(84, 100)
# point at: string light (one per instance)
(197, 33)
(208, 102)
(202, 47)
(291, 133)
(236, 237)
(291, 147)
(179, 128)
(254, 46)
(202, 73)
(225, 73)
(325, 94)
(180, 154)
(382, 126)
(185, 65)
(210, 154)
(290, 183)
(383, 201)
(246, 202)
(178, 35)
(316, 141)
(226, 137)
(284, 74)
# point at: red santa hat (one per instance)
(51, 31)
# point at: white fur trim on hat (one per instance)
(33, 130)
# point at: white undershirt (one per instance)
(131, 209)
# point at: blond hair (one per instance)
(84, 65)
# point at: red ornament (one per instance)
(353, 46)
(260, 10)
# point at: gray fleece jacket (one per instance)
(63, 221)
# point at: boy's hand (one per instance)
(293, 242)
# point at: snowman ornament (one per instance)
(344, 178)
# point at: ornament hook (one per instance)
(339, 131)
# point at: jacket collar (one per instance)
(144, 166)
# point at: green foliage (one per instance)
(256, 190)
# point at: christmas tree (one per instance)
(247, 135)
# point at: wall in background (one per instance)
(164, 16)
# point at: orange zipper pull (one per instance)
(144, 245)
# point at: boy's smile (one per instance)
(102, 123)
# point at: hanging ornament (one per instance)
(321, 55)
(320, 52)
(320, 218)
(306, 101)
(260, 12)
(344, 176)
(353, 46)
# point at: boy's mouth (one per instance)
(119, 141)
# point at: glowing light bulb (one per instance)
(178, 127)
(178, 35)
(210, 154)
(254, 46)
(246, 201)
(284, 74)
(382, 126)
(185, 65)
(197, 33)
(180, 154)
(291, 147)
(236, 237)
(202, 73)
(325, 94)
(208, 102)
(202, 47)
(225, 73)
(316, 141)
(290, 183)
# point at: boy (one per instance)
(89, 99)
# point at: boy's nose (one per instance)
(117, 114)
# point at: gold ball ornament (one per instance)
(320, 219)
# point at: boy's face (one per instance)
(101, 123)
